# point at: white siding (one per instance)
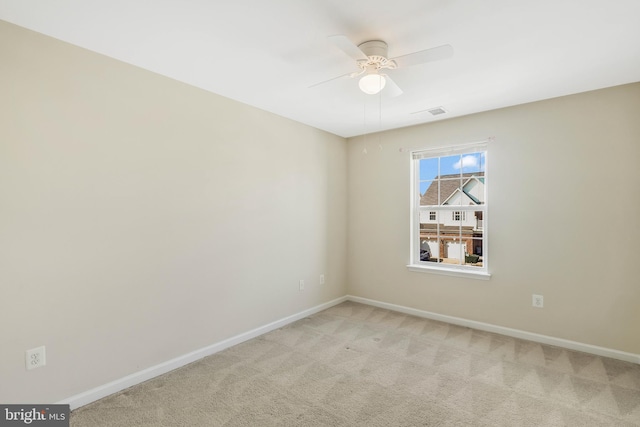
(475, 188)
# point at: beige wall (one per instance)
(553, 167)
(142, 219)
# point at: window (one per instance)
(449, 208)
(459, 215)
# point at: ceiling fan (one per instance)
(372, 58)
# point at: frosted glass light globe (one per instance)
(372, 83)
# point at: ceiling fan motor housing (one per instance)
(376, 50)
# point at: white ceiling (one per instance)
(267, 53)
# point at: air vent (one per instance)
(437, 111)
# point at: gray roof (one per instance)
(448, 185)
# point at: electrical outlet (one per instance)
(302, 285)
(537, 301)
(322, 279)
(35, 358)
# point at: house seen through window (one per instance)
(450, 210)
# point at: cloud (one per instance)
(466, 162)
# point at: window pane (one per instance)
(473, 189)
(474, 258)
(472, 163)
(450, 166)
(451, 192)
(428, 193)
(427, 220)
(429, 248)
(428, 169)
(478, 246)
(478, 223)
(452, 249)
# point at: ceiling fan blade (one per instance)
(391, 88)
(330, 80)
(422, 56)
(344, 44)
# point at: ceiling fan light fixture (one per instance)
(372, 83)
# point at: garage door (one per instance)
(454, 250)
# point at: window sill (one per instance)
(478, 275)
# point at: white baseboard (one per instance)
(516, 333)
(99, 392)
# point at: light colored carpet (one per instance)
(357, 365)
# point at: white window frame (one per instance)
(460, 270)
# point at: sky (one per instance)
(458, 163)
